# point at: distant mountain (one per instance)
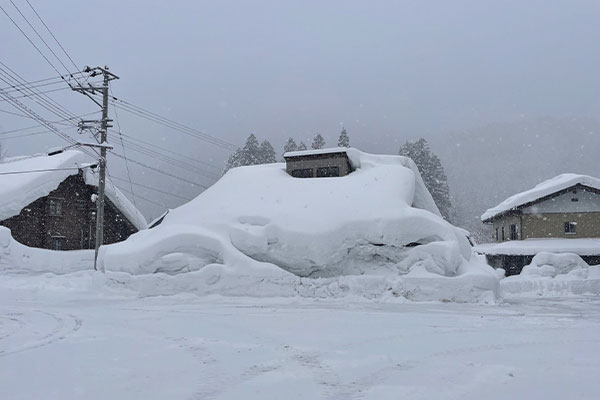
(488, 164)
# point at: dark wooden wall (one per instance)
(34, 226)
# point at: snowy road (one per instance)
(72, 345)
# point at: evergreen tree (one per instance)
(318, 142)
(344, 140)
(432, 172)
(251, 151)
(290, 145)
(267, 153)
(235, 160)
(302, 146)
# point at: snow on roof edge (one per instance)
(541, 190)
(329, 150)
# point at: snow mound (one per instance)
(379, 218)
(258, 227)
(543, 189)
(552, 274)
(16, 257)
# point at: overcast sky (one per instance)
(386, 70)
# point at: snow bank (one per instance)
(543, 189)
(16, 257)
(259, 229)
(551, 274)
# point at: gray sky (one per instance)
(387, 70)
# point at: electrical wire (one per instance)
(151, 188)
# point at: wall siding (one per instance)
(551, 225)
(34, 227)
(506, 222)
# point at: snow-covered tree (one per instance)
(343, 140)
(302, 146)
(267, 153)
(318, 142)
(235, 160)
(251, 154)
(251, 151)
(290, 145)
(432, 172)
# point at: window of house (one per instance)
(496, 234)
(55, 206)
(503, 236)
(570, 228)
(513, 232)
(81, 204)
(574, 199)
(57, 242)
(302, 173)
(325, 172)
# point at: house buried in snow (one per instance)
(320, 163)
(48, 201)
(559, 215)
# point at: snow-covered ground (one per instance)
(72, 337)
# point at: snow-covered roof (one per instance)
(312, 152)
(18, 188)
(530, 247)
(541, 190)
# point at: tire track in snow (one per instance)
(61, 327)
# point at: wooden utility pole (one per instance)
(102, 140)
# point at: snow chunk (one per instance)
(543, 189)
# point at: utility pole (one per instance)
(102, 140)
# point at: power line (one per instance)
(14, 113)
(171, 161)
(40, 36)
(43, 100)
(151, 188)
(54, 122)
(58, 78)
(151, 116)
(32, 86)
(36, 94)
(142, 197)
(52, 34)
(141, 164)
(3, 138)
(124, 155)
(170, 151)
(30, 41)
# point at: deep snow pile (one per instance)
(259, 226)
(16, 257)
(554, 274)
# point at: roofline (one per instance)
(544, 198)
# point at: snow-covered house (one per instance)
(320, 163)
(47, 201)
(561, 214)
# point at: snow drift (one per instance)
(260, 223)
(552, 274)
